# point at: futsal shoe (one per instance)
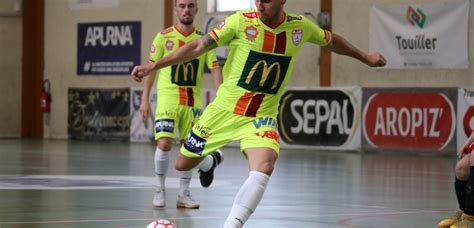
(467, 221)
(159, 198)
(186, 201)
(452, 220)
(207, 177)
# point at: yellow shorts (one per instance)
(215, 128)
(169, 118)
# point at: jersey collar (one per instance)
(176, 26)
(278, 23)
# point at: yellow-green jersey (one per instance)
(260, 59)
(180, 84)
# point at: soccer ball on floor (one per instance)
(161, 223)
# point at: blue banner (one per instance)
(111, 48)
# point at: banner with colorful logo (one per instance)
(465, 115)
(108, 48)
(428, 36)
(409, 119)
(99, 114)
(327, 118)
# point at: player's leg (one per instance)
(460, 183)
(261, 145)
(164, 134)
(161, 162)
(186, 118)
(261, 164)
(468, 215)
(200, 148)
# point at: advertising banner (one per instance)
(111, 48)
(411, 119)
(428, 36)
(141, 130)
(99, 114)
(465, 115)
(324, 118)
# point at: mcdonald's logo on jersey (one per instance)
(264, 72)
(185, 74)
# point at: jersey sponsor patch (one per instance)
(166, 31)
(297, 36)
(194, 143)
(185, 74)
(264, 72)
(291, 18)
(271, 134)
(221, 25)
(166, 125)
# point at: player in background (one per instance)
(179, 96)
(464, 187)
(262, 47)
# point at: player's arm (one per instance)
(185, 53)
(217, 75)
(341, 46)
(145, 99)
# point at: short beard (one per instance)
(186, 22)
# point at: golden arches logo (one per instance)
(265, 72)
(188, 69)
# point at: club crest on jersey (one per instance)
(251, 33)
(169, 45)
(297, 35)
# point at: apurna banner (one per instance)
(431, 36)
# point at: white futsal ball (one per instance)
(161, 223)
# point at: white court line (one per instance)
(209, 217)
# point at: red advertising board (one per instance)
(414, 120)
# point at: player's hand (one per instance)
(145, 110)
(141, 71)
(375, 59)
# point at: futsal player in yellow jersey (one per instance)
(262, 46)
(179, 97)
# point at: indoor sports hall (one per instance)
(361, 147)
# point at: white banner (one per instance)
(465, 116)
(141, 130)
(430, 36)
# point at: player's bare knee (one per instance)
(181, 165)
(266, 168)
(462, 171)
(165, 144)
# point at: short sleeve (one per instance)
(227, 30)
(317, 35)
(156, 50)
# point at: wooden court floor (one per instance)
(60, 183)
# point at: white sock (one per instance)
(206, 164)
(247, 199)
(161, 166)
(184, 181)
